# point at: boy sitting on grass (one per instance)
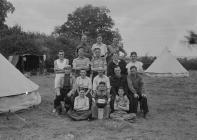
(121, 107)
(81, 107)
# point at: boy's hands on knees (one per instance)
(70, 93)
(143, 95)
(136, 95)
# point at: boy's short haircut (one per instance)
(133, 53)
(68, 67)
(83, 70)
(121, 88)
(99, 35)
(79, 49)
(102, 83)
(133, 67)
(96, 49)
(116, 67)
(61, 51)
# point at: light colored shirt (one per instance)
(98, 63)
(102, 46)
(81, 103)
(80, 63)
(83, 82)
(99, 79)
(121, 103)
(60, 64)
(137, 64)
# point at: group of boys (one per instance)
(87, 86)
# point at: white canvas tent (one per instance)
(16, 91)
(166, 65)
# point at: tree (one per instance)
(5, 8)
(191, 38)
(14, 40)
(89, 20)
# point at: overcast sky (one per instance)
(147, 26)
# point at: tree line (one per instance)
(89, 20)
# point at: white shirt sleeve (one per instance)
(95, 83)
(127, 66)
(89, 83)
(67, 62)
(76, 103)
(108, 82)
(93, 47)
(140, 67)
(55, 65)
(74, 64)
(105, 48)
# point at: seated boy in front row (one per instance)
(101, 100)
(121, 107)
(81, 107)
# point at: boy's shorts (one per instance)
(59, 81)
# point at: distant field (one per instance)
(173, 116)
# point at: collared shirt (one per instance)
(98, 63)
(102, 46)
(135, 83)
(81, 103)
(137, 64)
(81, 62)
(83, 82)
(99, 79)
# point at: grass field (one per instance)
(173, 116)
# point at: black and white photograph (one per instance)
(98, 69)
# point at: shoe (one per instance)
(54, 110)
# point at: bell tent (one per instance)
(166, 65)
(16, 91)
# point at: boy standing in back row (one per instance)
(59, 69)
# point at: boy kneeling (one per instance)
(81, 107)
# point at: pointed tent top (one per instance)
(12, 81)
(166, 65)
